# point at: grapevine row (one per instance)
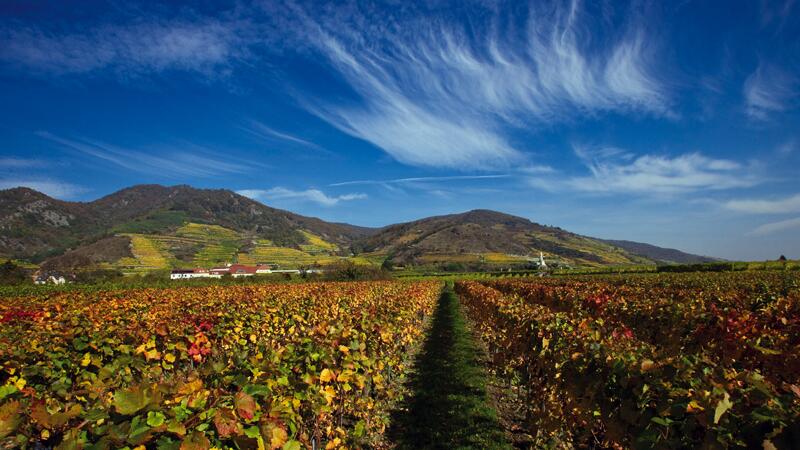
(583, 379)
(267, 366)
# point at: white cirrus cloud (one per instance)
(614, 170)
(443, 95)
(209, 46)
(776, 227)
(311, 195)
(22, 163)
(663, 175)
(57, 189)
(422, 179)
(263, 131)
(190, 161)
(776, 206)
(768, 90)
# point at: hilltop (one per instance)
(489, 236)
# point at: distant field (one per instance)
(490, 258)
(263, 252)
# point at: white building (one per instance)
(183, 274)
(264, 268)
(51, 280)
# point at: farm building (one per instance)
(235, 270)
(49, 278)
(240, 270)
(265, 268)
(52, 279)
(220, 271)
(182, 274)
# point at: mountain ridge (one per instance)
(35, 226)
(172, 226)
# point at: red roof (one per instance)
(241, 268)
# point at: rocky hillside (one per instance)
(660, 254)
(489, 236)
(34, 226)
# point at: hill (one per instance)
(150, 227)
(34, 226)
(483, 236)
(660, 254)
(163, 226)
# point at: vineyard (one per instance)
(664, 361)
(681, 360)
(316, 365)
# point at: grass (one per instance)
(449, 406)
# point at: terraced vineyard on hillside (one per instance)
(202, 245)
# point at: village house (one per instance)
(52, 279)
(234, 270)
(265, 268)
(240, 270)
(220, 271)
(183, 274)
(48, 278)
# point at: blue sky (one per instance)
(672, 123)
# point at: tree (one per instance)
(348, 271)
(11, 273)
(782, 258)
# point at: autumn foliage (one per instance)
(648, 361)
(263, 366)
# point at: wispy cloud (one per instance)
(311, 195)
(205, 45)
(663, 175)
(776, 12)
(21, 163)
(768, 90)
(614, 170)
(537, 169)
(195, 163)
(777, 206)
(787, 148)
(421, 179)
(444, 95)
(776, 227)
(261, 130)
(53, 188)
